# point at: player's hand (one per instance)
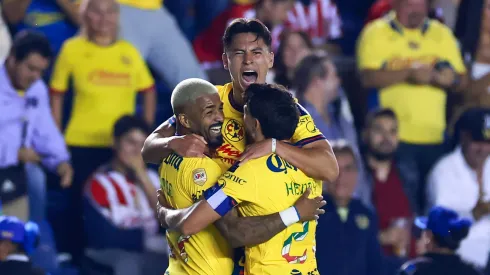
(161, 205)
(256, 150)
(189, 146)
(309, 209)
(444, 77)
(481, 209)
(28, 155)
(421, 74)
(65, 171)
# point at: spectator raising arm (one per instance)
(149, 106)
(15, 10)
(71, 10)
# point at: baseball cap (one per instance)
(441, 221)
(12, 229)
(475, 121)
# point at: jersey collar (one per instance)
(398, 27)
(233, 103)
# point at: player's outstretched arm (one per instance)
(250, 231)
(159, 144)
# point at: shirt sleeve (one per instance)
(47, 139)
(235, 186)
(144, 80)
(62, 70)
(306, 132)
(204, 172)
(453, 52)
(370, 48)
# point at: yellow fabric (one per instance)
(207, 252)
(265, 186)
(420, 108)
(143, 4)
(105, 83)
(234, 138)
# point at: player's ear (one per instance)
(224, 57)
(184, 120)
(270, 60)
(257, 126)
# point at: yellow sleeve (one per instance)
(62, 69)
(306, 132)
(239, 183)
(452, 51)
(370, 51)
(144, 80)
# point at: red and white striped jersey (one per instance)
(320, 20)
(121, 201)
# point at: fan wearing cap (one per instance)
(17, 241)
(461, 181)
(443, 231)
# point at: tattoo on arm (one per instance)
(249, 231)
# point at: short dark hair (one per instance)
(310, 67)
(243, 25)
(127, 123)
(377, 113)
(29, 41)
(342, 146)
(274, 107)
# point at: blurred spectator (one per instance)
(382, 7)
(57, 19)
(106, 74)
(208, 45)
(5, 41)
(154, 32)
(294, 46)
(412, 60)
(28, 132)
(461, 181)
(319, 18)
(347, 235)
(120, 221)
(393, 185)
(442, 235)
(17, 241)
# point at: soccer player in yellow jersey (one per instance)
(248, 57)
(198, 109)
(260, 187)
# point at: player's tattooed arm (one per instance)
(249, 231)
(156, 146)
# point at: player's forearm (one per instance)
(57, 108)
(173, 219)
(250, 231)
(316, 160)
(15, 10)
(157, 144)
(379, 79)
(150, 104)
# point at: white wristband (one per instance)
(289, 216)
(274, 144)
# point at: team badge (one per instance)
(310, 126)
(362, 221)
(413, 45)
(199, 176)
(234, 130)
(125, 60)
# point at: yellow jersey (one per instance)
(143, 4)
(265, 186)
(183, 181)
(234, 138)
(105, 82)
(386, 44)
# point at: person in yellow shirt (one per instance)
(248, 57)
(262, 186)
(105, 74)
(412, 61)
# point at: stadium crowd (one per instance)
(400, 89)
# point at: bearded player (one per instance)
(260, 187)
(198, 110)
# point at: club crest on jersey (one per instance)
(234, 130)
(362, 221)
(199, 176)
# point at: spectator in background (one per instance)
(5, 41)
(28, 133)
(120, 221)
(17, 241)
(392, 186)
(57, 19)
(347, 235)
(208, 45)
(411, 60)
(294, 46)
(154, 32)
(442, 235)
(461, 181)
(106, 75)
(382, 7)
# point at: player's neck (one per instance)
(102, 40)
(342, 202)
(237, 94)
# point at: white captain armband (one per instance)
(289, 216)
